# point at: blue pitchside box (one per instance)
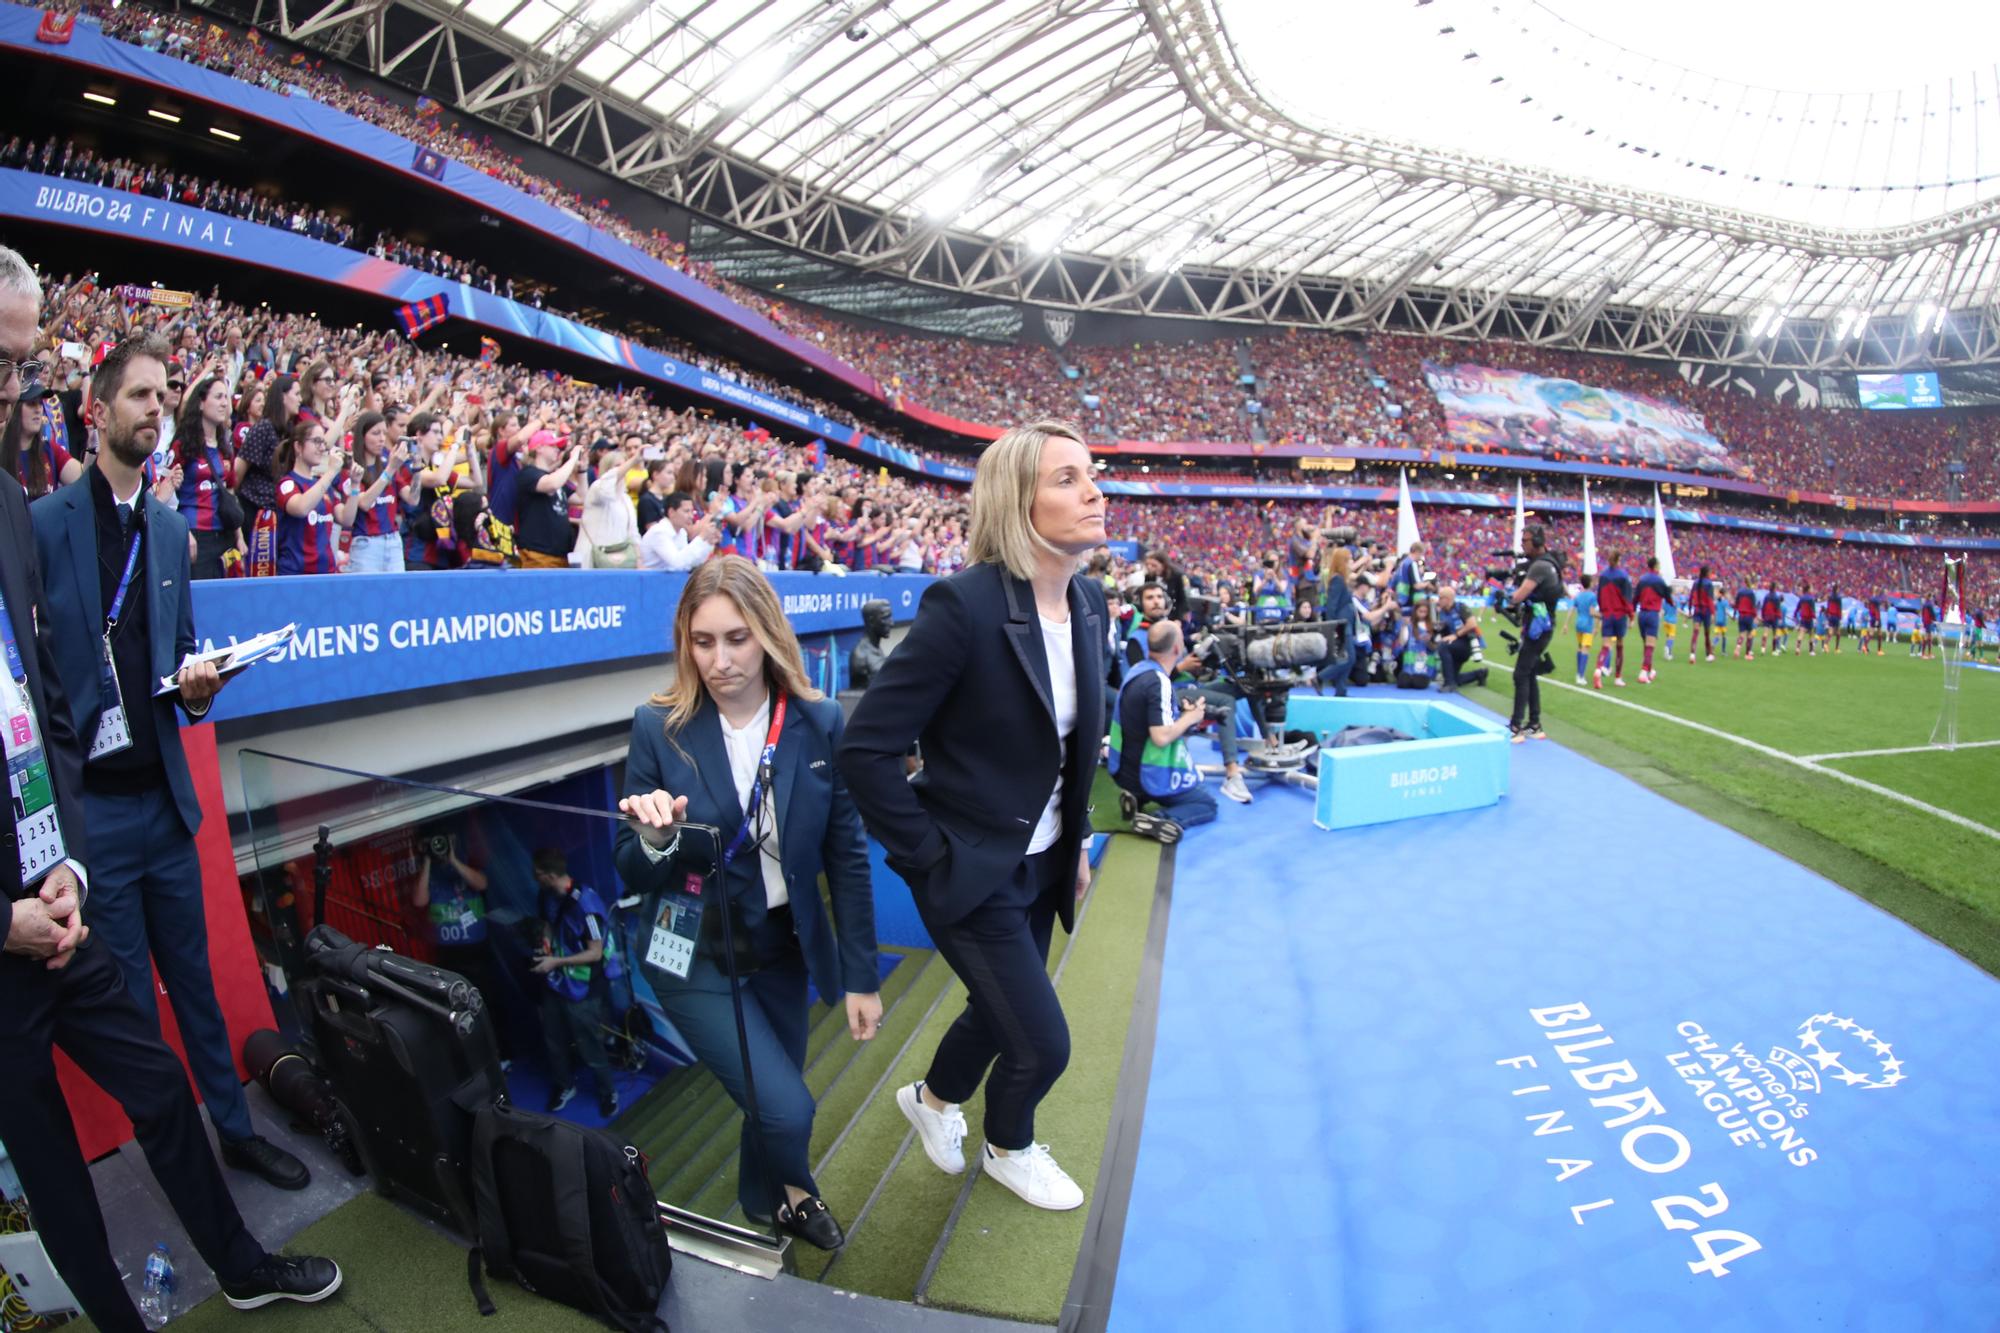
(1457, 762)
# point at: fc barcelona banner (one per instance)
(1512, 411)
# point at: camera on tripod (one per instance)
(1501, 584)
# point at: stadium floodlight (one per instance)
(1929, 318)
(950, 193)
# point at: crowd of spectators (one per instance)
(315, 432)
(1226, 540)
(1314, 386)
(1162, 391)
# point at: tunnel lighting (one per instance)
(100, 99)
(167, 116)
(221, 133)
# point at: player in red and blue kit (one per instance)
(1651, 593)
(1701, 614)
(1927, 618)
(1804, 613)
(1746, 619)
(1773, 614)
(1871, 623)
(1835, 610)
(1614, 609)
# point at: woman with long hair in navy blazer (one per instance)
(697, 755)
(998, 680)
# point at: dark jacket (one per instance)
(971, 682)
(820, 832)
(66, 539)
(27, 611)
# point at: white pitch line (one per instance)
(1889, 792)
(1907, 749)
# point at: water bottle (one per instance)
(156, 1297)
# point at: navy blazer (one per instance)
(66, 537)
(819, 832)
(28, 614)
(970, 681)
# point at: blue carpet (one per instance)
(1331, 1141)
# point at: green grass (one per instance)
(1935, 874)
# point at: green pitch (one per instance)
(1939, 875)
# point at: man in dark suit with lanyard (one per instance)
(58, 986)
(118, 590)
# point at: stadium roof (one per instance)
(1330, 164)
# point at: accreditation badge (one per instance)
(113, 732)
(37, 830)
(677, 929)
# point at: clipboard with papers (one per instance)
(234, 657)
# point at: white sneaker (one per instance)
(941, 1132)
(1236, 789)
(1033, 1175)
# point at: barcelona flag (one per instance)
(489, 351)
(425, 314)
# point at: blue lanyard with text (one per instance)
(15, 667)
(124, 582)
(756, 801)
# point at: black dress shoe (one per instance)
(812, 1223)
(281, 1278)
(268, 1160)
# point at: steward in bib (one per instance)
(1149, 757)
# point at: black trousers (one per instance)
(86, 1009)
(208, 549)
(1012, 1021)
(1528, 682)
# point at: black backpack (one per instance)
(567, 1212)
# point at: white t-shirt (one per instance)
(1057, 645)
(744, 747)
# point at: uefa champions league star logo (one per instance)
(1833, 1049)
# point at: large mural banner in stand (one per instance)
(1516, 412)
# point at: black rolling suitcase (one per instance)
(410, 1053)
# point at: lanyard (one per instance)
(15, 667)
(124, 581)
(756, 800)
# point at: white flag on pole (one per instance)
(1406, 515)
(1520, 514)
(1663, 549)
(1589, 536)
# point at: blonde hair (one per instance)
(1003, 497)
(742, 583)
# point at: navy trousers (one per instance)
(146, 907)
(774, 1019)
(87, 1009)
(1012, 1022)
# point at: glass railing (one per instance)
(497, 891)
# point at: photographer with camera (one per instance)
(1149, 757)
(1533, 604)
(452, 896)
(1458, 641)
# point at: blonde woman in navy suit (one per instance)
(998, 678)
(697, 755)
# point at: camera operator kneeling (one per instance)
(1149, 758)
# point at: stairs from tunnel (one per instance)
(914, 1233)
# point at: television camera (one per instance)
(1264, 662)
(1500, 585)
